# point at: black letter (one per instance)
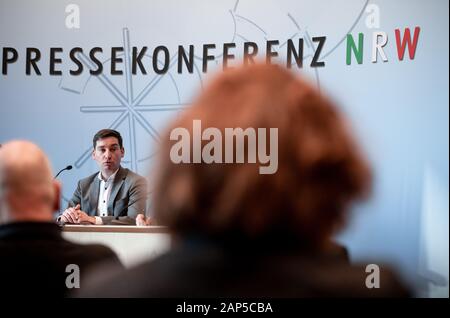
(7, 60)
(227, 56)
(291, 50)
(73, 57)
(166, 59)
(207, 57)
(321, 40)
(54, 60)
(115, 59)
(99, 64)
(137, 60)
(248, 57)
(269, 52)
(31, 61)
(182, 56)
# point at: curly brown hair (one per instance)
(320, 169)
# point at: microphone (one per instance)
(69, 167)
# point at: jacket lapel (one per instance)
(117, 184)
(93, 196)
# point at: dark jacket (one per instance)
(210, 270)
(34, 257)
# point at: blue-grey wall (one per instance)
(398, 108)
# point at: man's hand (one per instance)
(84, 218)
(141, 220)
(76, 216)
(70, 215)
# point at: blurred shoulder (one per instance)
(91, 252)
(362, 280)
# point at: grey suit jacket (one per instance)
(127, 199)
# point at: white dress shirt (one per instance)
(103, 196)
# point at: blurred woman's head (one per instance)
(320, 169)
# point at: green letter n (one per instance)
(352, 47)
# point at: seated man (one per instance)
(115, 195)
(35, 258)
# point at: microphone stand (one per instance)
(69, 167)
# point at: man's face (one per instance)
(108, 155)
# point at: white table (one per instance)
(132, 244)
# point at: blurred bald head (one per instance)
(28, 191)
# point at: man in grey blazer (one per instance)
(114, 195)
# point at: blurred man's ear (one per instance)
(57, 195)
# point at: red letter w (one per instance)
(401, 44)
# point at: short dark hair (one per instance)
(104, 133)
